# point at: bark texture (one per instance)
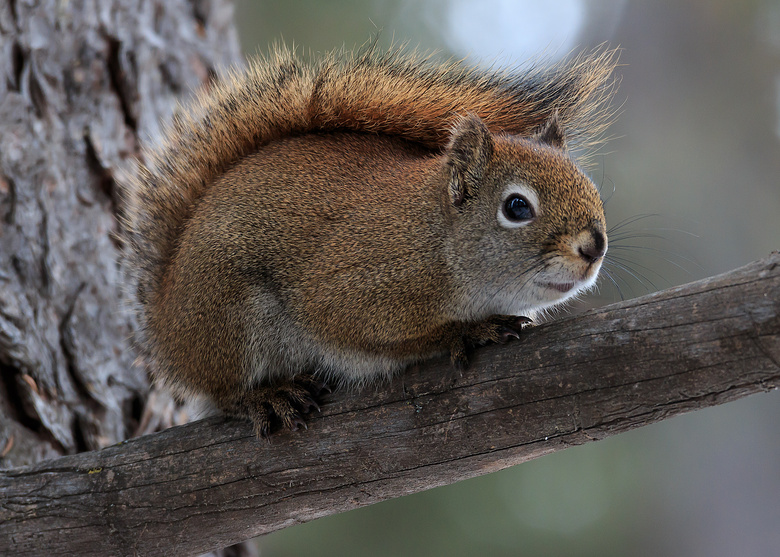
(211, 483)
(80, 82)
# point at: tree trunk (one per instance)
(80, 82)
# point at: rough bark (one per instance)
(79, 83)
(211, 483)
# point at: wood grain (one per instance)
(211, 483)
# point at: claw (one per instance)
(505, 333)
(263, 433)
(311, 403)
(294, 423)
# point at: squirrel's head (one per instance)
(528, 225)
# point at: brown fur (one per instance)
(338, 217)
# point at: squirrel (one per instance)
(335, 220)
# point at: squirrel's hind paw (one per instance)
(285, 401)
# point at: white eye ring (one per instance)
(527, 193)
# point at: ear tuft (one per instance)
(468, 154)
(551, 132)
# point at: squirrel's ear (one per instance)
(551, 132)
(468, 153)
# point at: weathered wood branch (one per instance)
(211, 483)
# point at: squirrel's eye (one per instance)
(517, 208)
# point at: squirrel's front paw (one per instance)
(285, 400)
(496, 328)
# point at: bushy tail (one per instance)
(415, 98)
(392, 93)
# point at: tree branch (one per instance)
(211, 483)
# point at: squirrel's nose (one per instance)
(594, 249)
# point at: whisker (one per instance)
(664, 251)
(633, 235)
(632, 264)
(630, 220)
(634, 273)
(619, 278)
(613, 281)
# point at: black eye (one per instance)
(517, 208)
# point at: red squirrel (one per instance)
(339, 219)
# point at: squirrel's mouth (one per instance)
(559, 286)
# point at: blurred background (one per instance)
(696, 155)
